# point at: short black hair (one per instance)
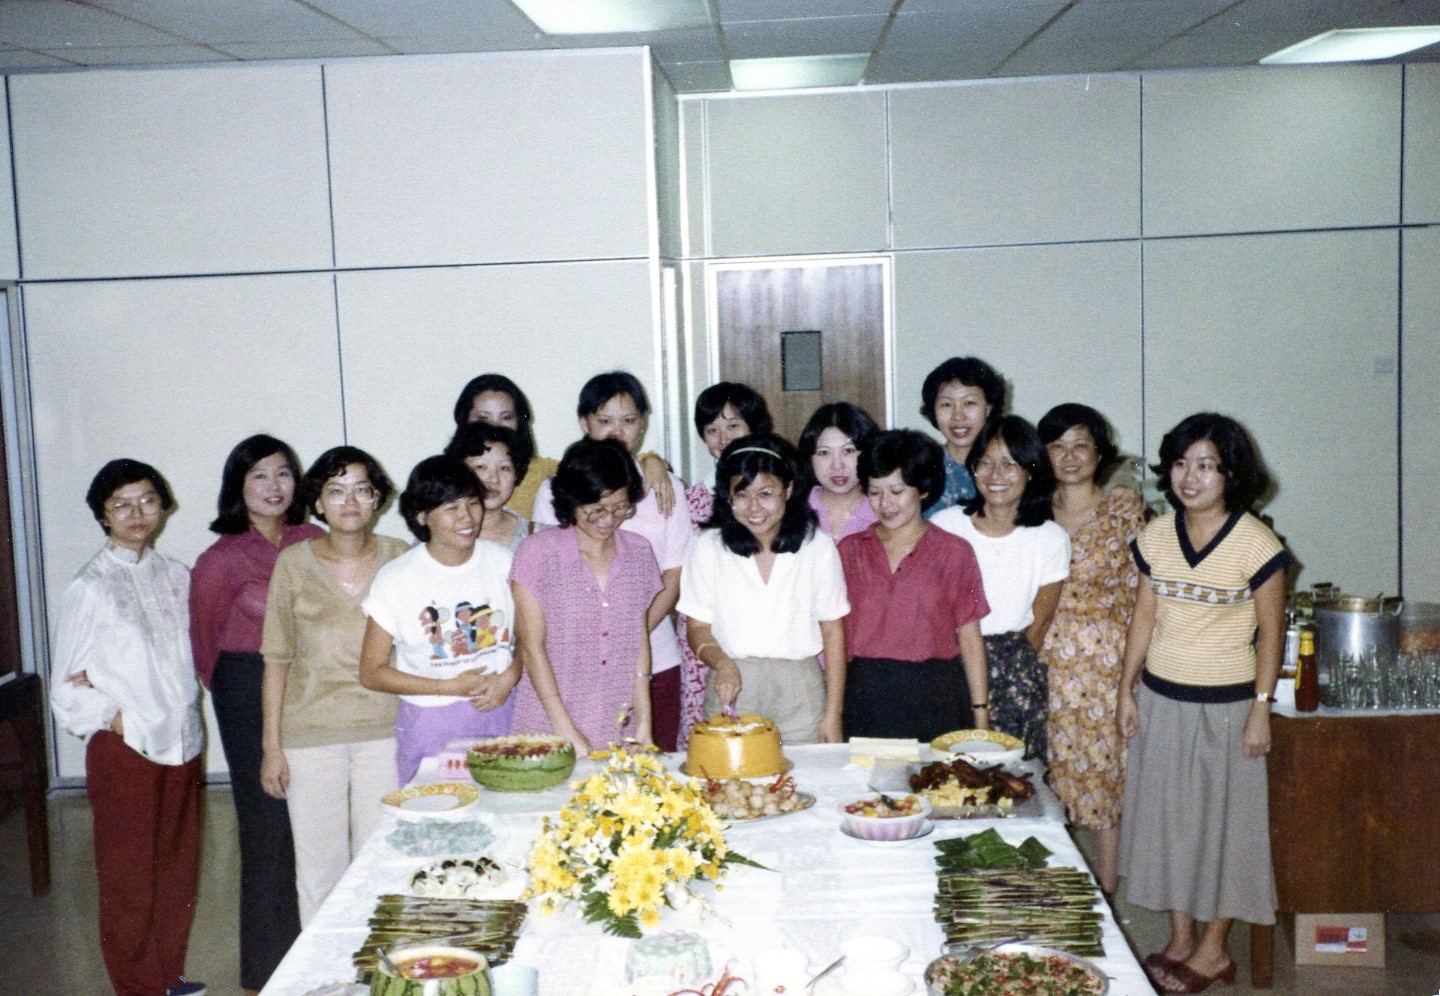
(918, 458)
(233, 517)
(117, 474)
(854, 421)
(435, 481)
(747, 402)
(1062, 418)
(1023, 442)
(970, 371)
(588, 469)
(1245, 476)
(524, 449)
(602, 387)
(474, 438)
(332, 463)
(741, 462)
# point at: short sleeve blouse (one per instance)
(1014, 567)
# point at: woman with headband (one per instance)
(764, 593)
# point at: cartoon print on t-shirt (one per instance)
(430, 619)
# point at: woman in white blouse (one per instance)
(1024, 559)
(123, 676)
(765, 593)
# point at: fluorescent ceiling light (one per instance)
(610, 17)
(1357, 44)
(798, 72)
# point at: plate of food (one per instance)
(458, 878)
(1027, 969)
(428, 800)
(988, 746)
(957, 789)
(747, 800)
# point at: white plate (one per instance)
(987, 752)
(926, 828)
(427, 800)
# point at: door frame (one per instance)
(712, 317)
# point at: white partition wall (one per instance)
(1422, 144)
(1420, 414)
(9, 246)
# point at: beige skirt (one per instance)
(1195, 834)
(790, 693)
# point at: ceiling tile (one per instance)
(950, 43)
(1099, 37)
(497, 21)
(55, 24)
(677, 45)
(784, 10)
(19, 59)
(455, 44)
(808, 36)
(141, 55)
(251, 21)
(333, 48)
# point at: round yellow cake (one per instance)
(745, 747)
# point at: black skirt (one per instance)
(911, 700)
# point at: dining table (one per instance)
(818, 887)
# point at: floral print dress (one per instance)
(1083, 650)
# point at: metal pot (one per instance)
(1355, 627)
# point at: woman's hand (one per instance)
(830, 732)
(582, 745)
(727, 682)
(470, 683)
(274, 774)
(495, 689)
(1127, 714)
(656, 475)
(80, 678)
(1256, 738)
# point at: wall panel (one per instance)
(1422, 143)
(1018, 161)
(796, 174)
(505, 158)
(9, 250)
(1060, 323)
(1294, 335)
(1420, 414)
(1253, 150)
(170, 171)
(175, 373)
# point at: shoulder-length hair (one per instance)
(332, 463)
(852, 420)
(741, 462)
(748, 403)
(1071, 415)
(435, 481)
(602, 387)
(1023, 442)
(588, 469)
(233, 517)
(524, 449)
(117, 474)
(918, 458)
(1245, 476)
(970, 371)
(474, 438)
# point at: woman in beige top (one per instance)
(329, 742)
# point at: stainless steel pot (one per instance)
(1355, 627)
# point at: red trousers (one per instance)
(147, 849)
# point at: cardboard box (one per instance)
(1354, 940)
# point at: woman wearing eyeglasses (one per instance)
(329, 742)
(582, 597)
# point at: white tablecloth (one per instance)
(824, 886)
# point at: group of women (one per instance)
(866, 583)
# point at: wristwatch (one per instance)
(1264, 697)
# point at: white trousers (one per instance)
(334, 801)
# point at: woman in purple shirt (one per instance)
(830, 447)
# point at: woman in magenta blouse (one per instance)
(228, 587)
(917, 660)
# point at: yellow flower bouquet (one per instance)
(629, 842)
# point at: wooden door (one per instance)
(804, 335)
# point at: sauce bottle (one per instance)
(1307, 678)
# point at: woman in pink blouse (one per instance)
(228, 587)
(582, 593)
(830, 448)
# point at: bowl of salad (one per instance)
(885, 817)
(1015, 969)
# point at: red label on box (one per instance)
(1340, 940)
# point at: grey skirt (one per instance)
(1195, 830)
(790, 693)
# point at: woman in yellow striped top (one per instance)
(1208, 628)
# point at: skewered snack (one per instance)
(1047, 906)
(486, 926)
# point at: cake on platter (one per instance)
(734, 747)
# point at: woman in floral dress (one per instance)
(1084, 645)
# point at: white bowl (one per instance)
(885, 827)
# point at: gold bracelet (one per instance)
(702, 648)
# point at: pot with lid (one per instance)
(1358, 628)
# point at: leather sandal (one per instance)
(1191, 981)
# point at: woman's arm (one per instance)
(530, 632)
(1270, 621)
(701, 637)
(977, 672)
(78, 706)
(210, 596)
(1137, 645)
(640, 695)
(1047, 600)
(378, 674)
(832, 635)
(274, 770)
(665, 599)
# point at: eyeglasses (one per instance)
(146, 504)
(618, 512)
(337, 494)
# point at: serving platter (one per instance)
(804, 799)
(934, 984)
(988, 746)
(427, 800)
